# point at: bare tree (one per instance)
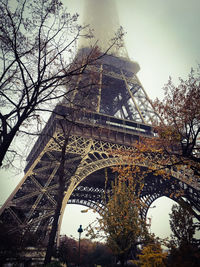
(37, 40)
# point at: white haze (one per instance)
(103, 20)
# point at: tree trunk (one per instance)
(62, 180)
(60, 196)
(7, 140)
(52, 234)
(122, 260)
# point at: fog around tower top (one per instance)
(102, 18)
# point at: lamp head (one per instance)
(80, 229)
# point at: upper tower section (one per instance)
(108, 85)
(102, 18)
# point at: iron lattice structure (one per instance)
(115, 112)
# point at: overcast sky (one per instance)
(163, 37)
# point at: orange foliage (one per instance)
(179, 130)
(121, 221)
(151, 255)
(176, 144)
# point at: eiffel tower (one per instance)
(115, 113)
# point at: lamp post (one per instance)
(80, 230)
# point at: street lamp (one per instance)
(80, 230)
